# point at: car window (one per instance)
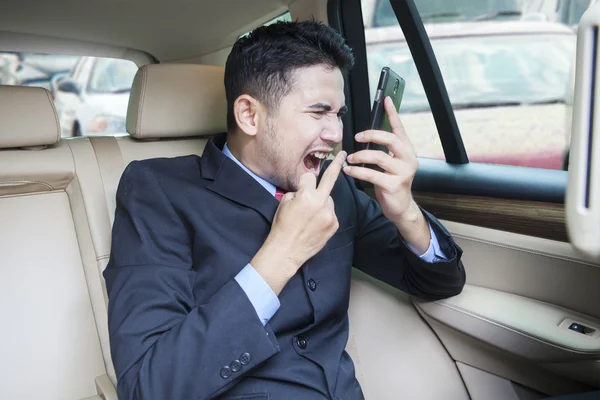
(31, 69)
(90, 94)
(509, 83)
(447, 11)
(81, 69)
(475, 74)
(384, 48)
(574, 10)
(112, 76)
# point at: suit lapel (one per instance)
(233, 183)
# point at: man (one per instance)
(219, 290)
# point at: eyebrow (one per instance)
(327, 108)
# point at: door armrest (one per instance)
(533, 329)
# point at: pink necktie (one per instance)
(279, 194)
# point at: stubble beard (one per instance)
(283, 175)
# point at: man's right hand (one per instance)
(304, 222)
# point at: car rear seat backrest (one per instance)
(50, 349)
(173, 109)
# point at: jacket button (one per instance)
(235, 365)
(301, 342)
(312, 285)
(245, 358)
(225, 372)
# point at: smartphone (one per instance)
(390, 84)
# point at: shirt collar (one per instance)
(267, 185)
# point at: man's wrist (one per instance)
(274, 265)
(414, 229)
(260, 294)
(410, 218)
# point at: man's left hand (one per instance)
(393, 186)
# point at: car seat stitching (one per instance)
(23, 182)
(55, 115)
(142, 98)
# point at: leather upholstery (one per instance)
(27, 117)
(396, 355)
(34, 171)
(177, 100)
(100, 162)
(51, 349)
(50, 346)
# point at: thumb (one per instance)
(288, 197)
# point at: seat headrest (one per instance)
(27, 117)
(177, 100)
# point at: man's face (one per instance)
(298, 137)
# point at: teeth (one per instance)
(320, 156)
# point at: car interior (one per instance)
(526, 326)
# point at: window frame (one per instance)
(455, 175)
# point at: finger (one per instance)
(394, 119)
(388, 139)
(368, 175)
(288, 197)
(384, 160)
(307, 181)
(330, 204)
(330, 175)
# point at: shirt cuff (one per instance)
(259, 293)
(434, 253)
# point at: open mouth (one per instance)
(314, 161)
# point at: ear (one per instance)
(246, 110)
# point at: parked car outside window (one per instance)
(507, 81)
(93, 99)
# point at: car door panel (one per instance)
(485, 386)
(535, 330)
(539, 269)
(512, 318)
(477, 354)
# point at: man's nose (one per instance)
(333, 131)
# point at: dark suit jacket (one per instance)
(184, 227)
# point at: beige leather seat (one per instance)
(49, 345)
(173, 110)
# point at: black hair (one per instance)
(261, 64)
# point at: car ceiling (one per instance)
(169, 30)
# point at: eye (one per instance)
(318, 114)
